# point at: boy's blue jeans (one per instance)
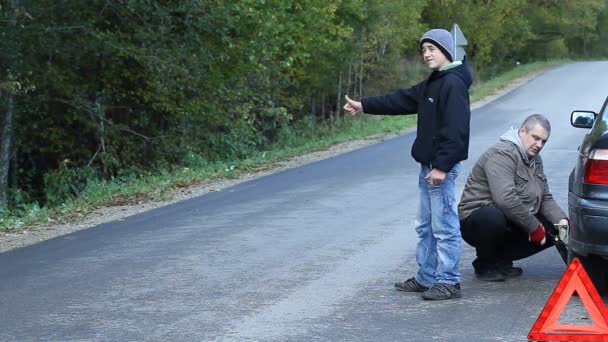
(438, 228)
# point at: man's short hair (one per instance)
(535, 119)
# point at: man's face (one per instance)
(433, 57)
(534, 139)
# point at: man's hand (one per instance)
(563, 228)
(353, 107)
(538, 235)
(435, 177)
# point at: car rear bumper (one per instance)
(588, 225)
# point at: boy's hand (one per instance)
(353, 107)
(435, 177)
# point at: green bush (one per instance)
(194, 161)
(67, 183)
(556, 47)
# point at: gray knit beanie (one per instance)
(440, 38)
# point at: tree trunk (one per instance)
(361, 56)
(382, 50)
(584, 44)
(13, 171)
(361, 78)
(6, 149)
(323, 106)
(339, 98)
(6, 135)
(350, 70)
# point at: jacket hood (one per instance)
(463, 71)
(512, 136)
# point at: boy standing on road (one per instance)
(442, 142)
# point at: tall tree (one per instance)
(7, 94)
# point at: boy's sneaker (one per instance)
(410, 285)
(441, 291)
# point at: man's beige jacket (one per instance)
(505, 177)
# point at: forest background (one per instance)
(98, 95)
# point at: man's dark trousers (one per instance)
(497, 240)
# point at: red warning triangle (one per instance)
(546, 327)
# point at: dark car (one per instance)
(588, 197)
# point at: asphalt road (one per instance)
(308, 254)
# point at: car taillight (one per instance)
(596, 170)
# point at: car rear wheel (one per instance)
(596, 267)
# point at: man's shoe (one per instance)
(490, 275)
(410, 285)
(442, 291)
(510, 271)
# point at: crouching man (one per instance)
(506, 208)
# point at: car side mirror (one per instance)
(582, 118)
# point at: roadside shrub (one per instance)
(194, 161)
(556, 47)
(67, 183)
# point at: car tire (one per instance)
(596, 267)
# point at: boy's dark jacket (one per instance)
(442, 104)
